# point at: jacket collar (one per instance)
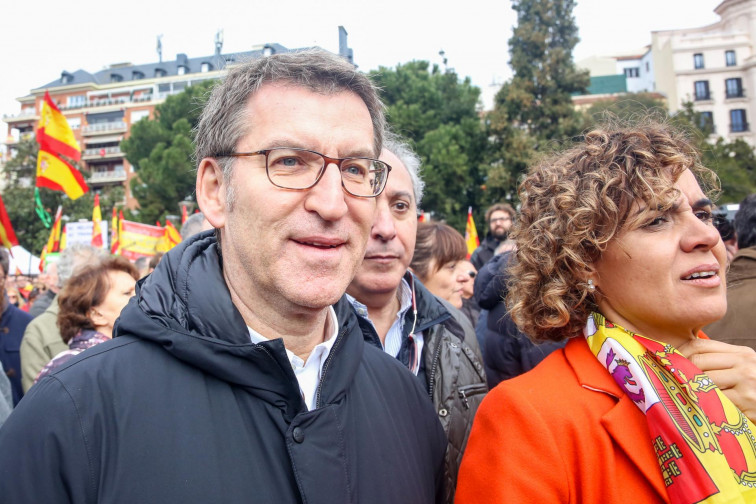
(185, 307)
(623, 421)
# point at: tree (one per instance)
(628, 107)
(161, 150)
(534, 111)
(438, 112)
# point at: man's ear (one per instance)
(211, 192)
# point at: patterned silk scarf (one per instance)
(705, 446)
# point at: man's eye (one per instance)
(401, 206)
(354, 170)
(704, 215)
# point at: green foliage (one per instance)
(534, 111)
(438, 112)
(631, 106)
(161, 151)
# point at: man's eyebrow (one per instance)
(401, 194)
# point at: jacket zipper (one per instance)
(471, 390)
(339, 339)
(432, 379)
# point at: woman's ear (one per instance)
(97, 318)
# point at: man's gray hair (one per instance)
(193, 225)
(75, 256)
(224, 121)
(401, 148)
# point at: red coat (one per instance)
(563, 432)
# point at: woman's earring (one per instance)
(591, 287)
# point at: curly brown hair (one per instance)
(574, 203)
(86, 289)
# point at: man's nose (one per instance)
(327, 198)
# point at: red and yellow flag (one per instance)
(7, 235)
(183, 214)
(114, 231)
(53, 243)
(471, 234)
(171, 238)
(54, 134)
(56, 138)
(96, 220)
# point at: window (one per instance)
(702, 90)
(114, 77)
(632, 72)
(181, 70)
(730, 59)
(159, 72)
(648, 66)
(733, 88)
(698, 61)
(738, 120)
(76, 101)
(137, 115)
(74, 122)
(706, 121)
(137, 74)
(206, 67)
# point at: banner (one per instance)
(82, 231)
(139, 240)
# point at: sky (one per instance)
(41, 39)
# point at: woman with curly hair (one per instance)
(616, 252)
(90, 303)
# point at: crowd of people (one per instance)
(310, 341)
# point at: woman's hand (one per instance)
(732, 368)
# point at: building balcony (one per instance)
(102, 153)
(107, 176)
(103, 128)
(23, 116)
(735, 95)
(702, 97)
(106, 102)
(739, 128)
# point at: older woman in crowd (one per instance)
(616, 252)
(90, 303)
(438, 250)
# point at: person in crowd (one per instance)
(195, 223)
(14, 297)
(432, 339)
(13, 323)
(509, 352)
(239, 370)
(50, 284)
(438, 249)
(469, 305)
(154, 261)
(617, 252)
(499, 219)
(89, 305)
(737, 326)
(142, 265)
(42, 339)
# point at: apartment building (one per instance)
(102, 106)
(714, 67)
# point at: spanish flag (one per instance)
(54, 133)
(183, 214)
(114, 234)
(7, 235)
(56, 138)
(171, 238)
(53, 243)
(96, 220)
(471, 234)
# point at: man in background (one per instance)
(13, 323)
(499, 219)
(738, 325)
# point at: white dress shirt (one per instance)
(308, 373)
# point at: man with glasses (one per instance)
(427, 335)
(499, 218)
(239, 372)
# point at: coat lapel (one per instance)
(624, 422)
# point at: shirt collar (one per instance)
(333, 331)
(405, 302)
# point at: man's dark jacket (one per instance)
(508, 352)
(12, 326)
(484, 252)
(451, 370)
(182, 407)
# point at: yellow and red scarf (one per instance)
(705, 446)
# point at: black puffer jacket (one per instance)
(508, 352)
(451, 369)
(182, 407)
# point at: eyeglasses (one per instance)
(301, 169)
(501, 219)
